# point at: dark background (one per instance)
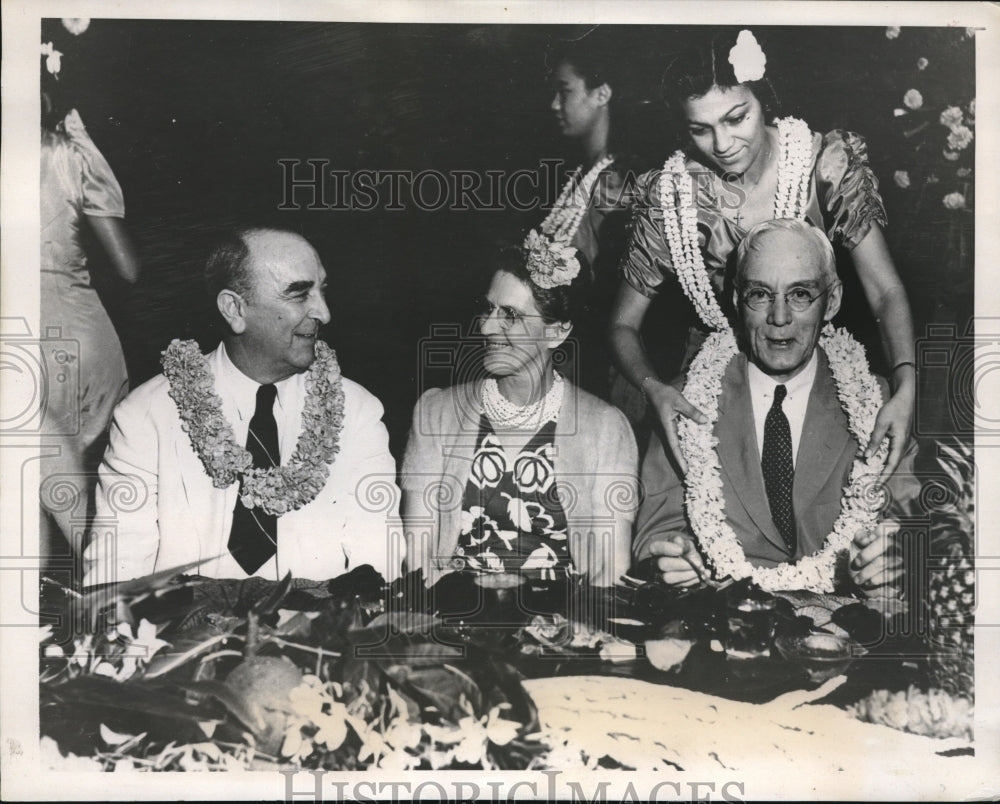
(193, 116)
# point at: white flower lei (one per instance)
(564, 219)
(281, 488)
(860, 397)
(680, 213)
(503, 413)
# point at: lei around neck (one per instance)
(680, 213)
(860, 397)
(567, 212)
(279, 489)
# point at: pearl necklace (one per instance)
(564, 219)
(680, 213)
(503, 413)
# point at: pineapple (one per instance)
(951, 592)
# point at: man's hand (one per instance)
(677, 560)
(877, 566)
(670, 403)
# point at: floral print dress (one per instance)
(512, 519)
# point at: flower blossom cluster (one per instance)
(551, 263)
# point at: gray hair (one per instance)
(808, 232)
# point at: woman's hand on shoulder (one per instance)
(894, 421)
(669, 404)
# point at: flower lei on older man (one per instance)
(857, 389)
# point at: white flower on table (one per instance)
(901, 178)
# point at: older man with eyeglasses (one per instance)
(784, 447)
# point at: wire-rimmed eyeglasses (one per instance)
(798, 299)
(507, 317)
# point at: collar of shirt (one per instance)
(762, 396)
(239, 401)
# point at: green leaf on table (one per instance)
(232, 699)
(269, 605)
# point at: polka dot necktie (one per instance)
(254, 535)
(776, 465)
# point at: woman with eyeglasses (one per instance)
(520, 471)
(737, 171)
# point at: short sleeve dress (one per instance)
(843, 200)
(82, 356)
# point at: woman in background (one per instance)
(78, 191)
(595, 105)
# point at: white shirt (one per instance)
(239, 402)
(173, 514)
(794, 405)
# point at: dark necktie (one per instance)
(254, 535)
(776, 465)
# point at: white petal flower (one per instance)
(922, 63)
(951, 116)
(913, 99)
(959, 138)
(901, 178)
(954, 201)
(891, 32)
(747, 58)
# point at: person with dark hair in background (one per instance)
(79, 192)
(740, 170)
(532, 474)
(589, 92)
(302, 495)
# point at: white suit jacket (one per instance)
(157, 508)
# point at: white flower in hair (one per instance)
(747, 58)
(551, 263)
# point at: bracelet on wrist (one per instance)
(902, 363)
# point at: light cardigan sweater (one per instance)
(596, 465)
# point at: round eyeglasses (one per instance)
(798, 299)
(507, 317)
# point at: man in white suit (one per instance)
(285, 468)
